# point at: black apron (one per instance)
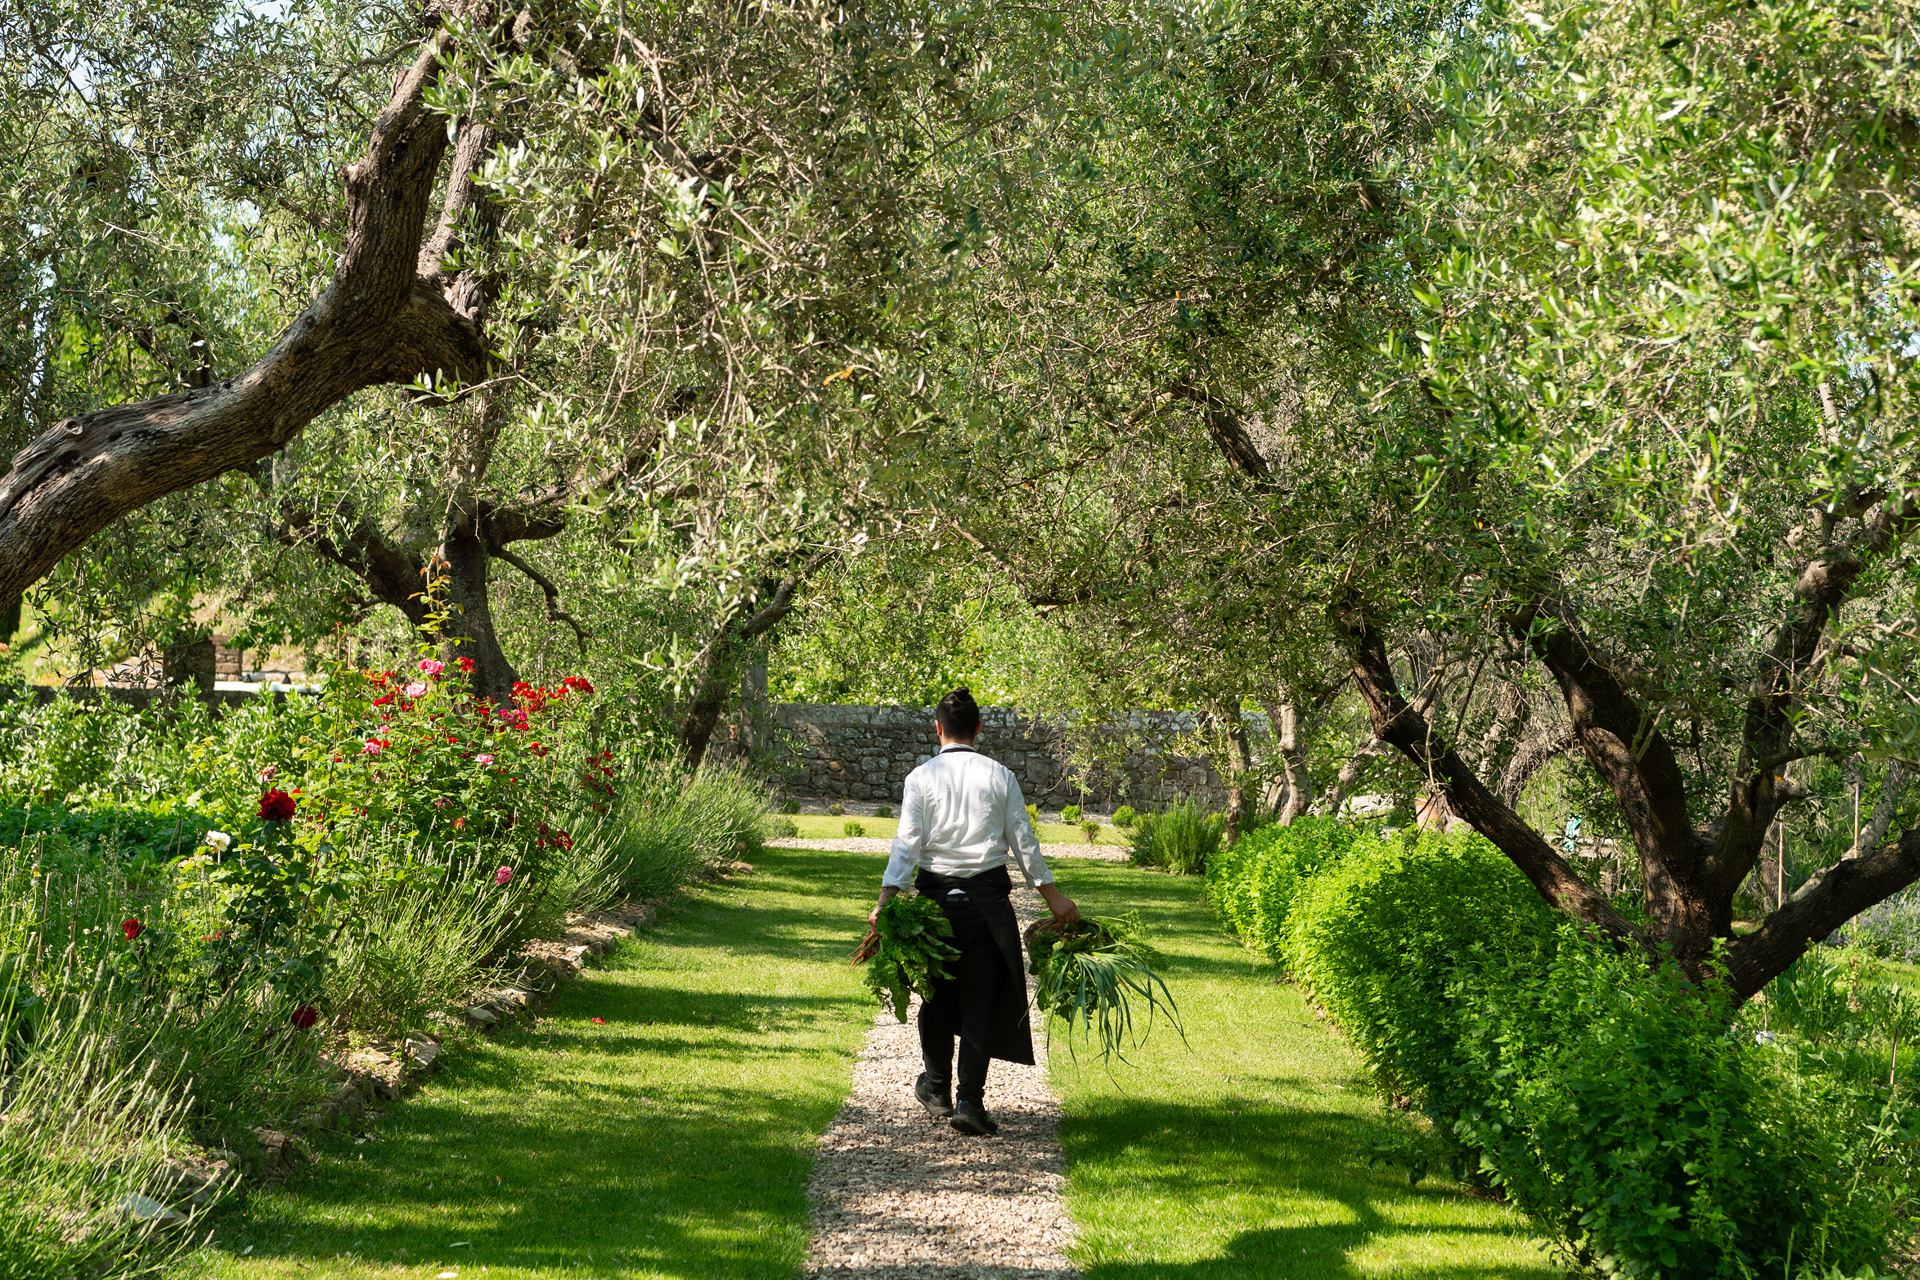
(1012, 1027)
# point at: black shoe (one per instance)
(938, 1102)
(971, 1117)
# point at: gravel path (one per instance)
(900, 1196)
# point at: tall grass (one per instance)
(670, 826)
(1181, 838)
(411, 953)
(83, 1153)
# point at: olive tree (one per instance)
(1544, 380)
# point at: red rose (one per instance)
(466, 664)
(579, 684)
(132, 928)
(305, 1016)
(276, 806)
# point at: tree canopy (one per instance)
(1539, 377)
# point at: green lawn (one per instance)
(1242, 1157)
(821, 826)
(673, 1141)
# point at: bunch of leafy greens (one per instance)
(906, 950)
(1088, 974)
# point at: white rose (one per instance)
(219, 841)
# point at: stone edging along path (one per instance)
(899, 1196)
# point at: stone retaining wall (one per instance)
(865, 753)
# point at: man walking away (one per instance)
(962, 820)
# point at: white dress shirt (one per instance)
(962, 813)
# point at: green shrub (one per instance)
(1606, 1098)
(789, 806)
(1181, 838)
(1376, 936)
(782, 828)
(883, 811)
(1254, 881)
(1033, 814)
(852, 828)
(1610, 1100)
(1091, 830)
(1070, 815)
(149, 833)
(1124, 816)
(836, 809)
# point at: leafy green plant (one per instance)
(1091, 830)
(906, 951)
(782, 828)
(789, 806)
(1033, 814)
(1607, 1099)
(836, 809)
(1070, 815)
(852, 828)
(1124, 816)
(883, 811)
(1181, 838)
(150, 832)
(1088, 974)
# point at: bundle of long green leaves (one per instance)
(906, 951)
(1089, 974)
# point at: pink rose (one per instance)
(416, 690)
(372, 747)
(503, 875)
(431, 667)
(483, 759)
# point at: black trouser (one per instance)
(964, 1002)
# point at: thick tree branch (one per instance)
(714, 664)
(376, 322)
(1403, 727)
(1631, 755)
(1833, 896)
(1224, 428)
(1823, 585)
(393, 576)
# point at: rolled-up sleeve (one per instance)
(910, 838)
(1024, 845)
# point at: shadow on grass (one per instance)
(676, 1139)
(584, 1176)
(1203, 1155)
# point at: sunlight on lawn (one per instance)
(673, 1141)
(1243, 1157)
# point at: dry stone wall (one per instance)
(865, 753)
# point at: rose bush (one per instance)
(395, 758)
